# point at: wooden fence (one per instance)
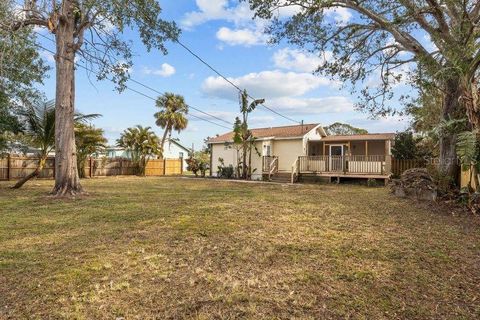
(400, 165)
(13, 167)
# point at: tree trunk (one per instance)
(250, 161)
(67, 181)
(167, 129)
(452, 109)
(244, 159)
(34, 174)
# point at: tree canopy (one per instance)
(172, 115)
(21, 68)
(382, 37)
(141, 143)
(428, 44)
(339, 128)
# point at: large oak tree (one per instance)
(382, 37)
(90, 29)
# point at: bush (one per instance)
(198, 162)
(372, 182)
(223, 171)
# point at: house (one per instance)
(172, 149)
(300, 151)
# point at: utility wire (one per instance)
(214, 70)
(131, 89)
(229, 81)
(145, 86)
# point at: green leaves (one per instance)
(141, 142)
(468, 148)
(339, 128)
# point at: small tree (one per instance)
(142, 143)
(172, 116)
(39, 133)
(243, 136)
(198, 162)
(88, 140)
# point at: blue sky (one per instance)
(223, 33)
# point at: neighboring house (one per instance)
(174, 150)
(117, 152)
(171, 150)
(306, 150)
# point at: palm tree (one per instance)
(172, 115)
(141, 142)
(88, 140)
(39, 133)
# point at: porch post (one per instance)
(388, 164)
(366, 148)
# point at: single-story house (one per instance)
(303, 150)
(172, 149)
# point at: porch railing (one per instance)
(267, 163)
(273, 168)
(361, 164)
(294, 176)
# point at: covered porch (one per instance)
(348, 155)
(358, 156)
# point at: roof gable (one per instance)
(273, 132)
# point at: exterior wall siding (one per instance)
(287, 152)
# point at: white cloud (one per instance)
(165, 71)
(297, 60)
(265, 84)
(216, 10)
(47, 56)
(259, 121)
(245, 37)
(340, 15)
(383, 124)
(333, 104)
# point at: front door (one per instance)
(336, 158)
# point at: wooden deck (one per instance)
(346, 175)
(349, 166)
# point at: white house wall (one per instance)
(287, 152)
(173, 151)
(229, 156)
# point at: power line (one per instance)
(147, 87)
(229, 81)
(134, 90)
(214, 70)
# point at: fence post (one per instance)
(90, 167)
(54, 165)
(8, 167)
(164, 167)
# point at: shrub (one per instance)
(198, 162)
(225, 171)
(372, 182)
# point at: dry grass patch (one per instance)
(172, 248)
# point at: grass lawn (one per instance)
(174, 248)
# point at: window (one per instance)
(180, 154)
